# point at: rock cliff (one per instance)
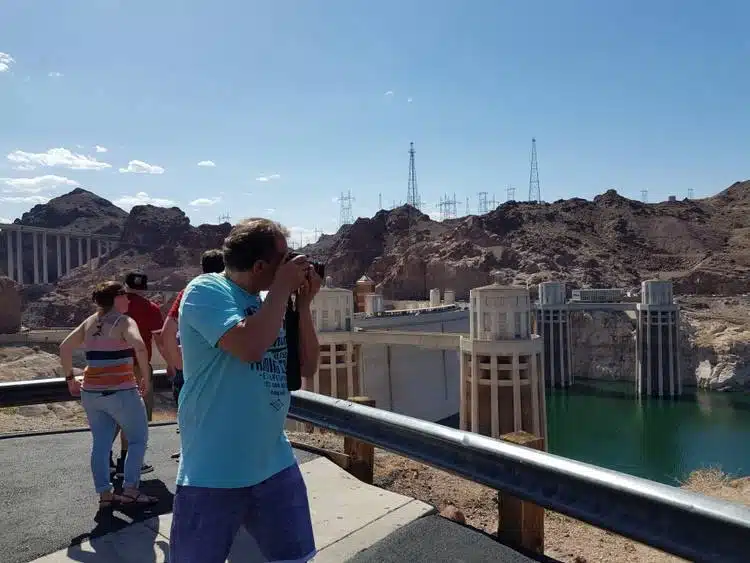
(702, 245)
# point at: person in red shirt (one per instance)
(148, 318)
(212, 261)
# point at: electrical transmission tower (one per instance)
(482, 209)
(691, 193)
(467, 205)
(492, 203)
(535, 193)
(224, 218)
(412, 196)
(644, 195)
(448, 207)
(380, 201)
(510, 194)
(345, 209)
(317, 233)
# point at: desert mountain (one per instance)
(702, 245)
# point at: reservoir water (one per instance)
(603, 423)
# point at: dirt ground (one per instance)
(566, 539)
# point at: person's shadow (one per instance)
(138, 536)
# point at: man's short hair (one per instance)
(252, 240)
(212, 261)
(137, 281)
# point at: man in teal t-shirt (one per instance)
(237, 466)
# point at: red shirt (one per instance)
(174, 310)
(147, 316)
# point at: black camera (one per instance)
(319, 267)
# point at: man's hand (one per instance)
(74, 386)
(309, 288)
(290, 275)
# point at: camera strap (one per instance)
(293, 368)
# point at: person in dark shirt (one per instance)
(212, 261)
(148, 318)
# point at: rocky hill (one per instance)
(702, 245)
(159, 241)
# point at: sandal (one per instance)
(136, 498)
(109, 502)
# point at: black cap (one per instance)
(136, 280)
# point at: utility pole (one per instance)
(535, 194)
(345, 209)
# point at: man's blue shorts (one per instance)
(275, 513)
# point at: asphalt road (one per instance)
(47, 499)
(432, 539)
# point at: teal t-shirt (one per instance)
(231, 413)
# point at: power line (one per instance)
(535, 193)
(345, 209)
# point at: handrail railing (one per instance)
(680, 522)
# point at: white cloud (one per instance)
(268, 178)
(204, 202)
(55, 74)
(408, 100)
(389, 93)
(301, 236)
(270, 210)
(99, 148)
(5, 220)
(26, 199)
(140, 167)
(6, 61)
(60, 158)
(37, 184)
(207, 163)
(142, 198)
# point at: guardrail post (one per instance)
(521, 523)
(361, 454)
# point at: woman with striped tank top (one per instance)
(110, 392)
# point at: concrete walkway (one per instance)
(348, 516)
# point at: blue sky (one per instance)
(295, 101)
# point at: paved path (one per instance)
(48, 509)
(47, 496)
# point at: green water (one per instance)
(664, 440)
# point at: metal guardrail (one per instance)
(680, 522)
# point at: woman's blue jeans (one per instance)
(105, 410)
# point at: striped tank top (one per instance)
(109, 358)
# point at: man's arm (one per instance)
(156, 323)
(172, 353)
(309, 346)
(211, 310)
